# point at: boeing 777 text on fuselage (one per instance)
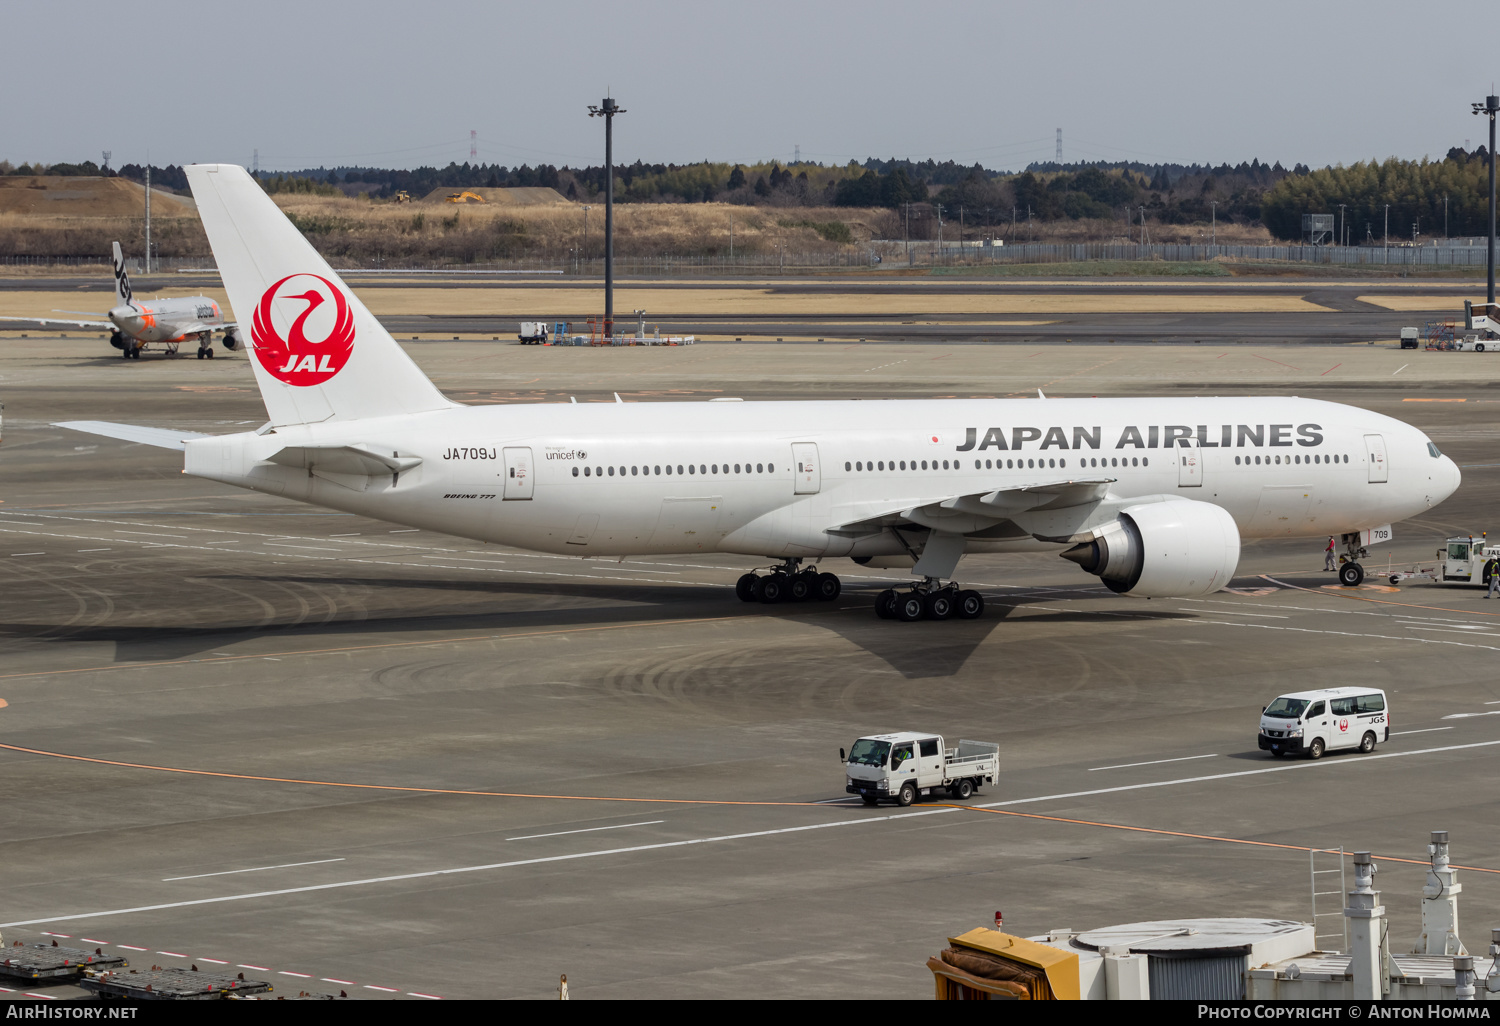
(1151, 495)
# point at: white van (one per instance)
(1313, 722)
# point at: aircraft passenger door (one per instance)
(1380, 472)
(1189, 463)
(518, 473)
(805, 461)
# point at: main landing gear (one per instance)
(788, 583)
(205, 346)
(930, 600)
(1351, 574)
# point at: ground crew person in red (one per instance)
(1329, 563)
(1492, 574)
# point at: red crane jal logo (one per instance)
(293, 357)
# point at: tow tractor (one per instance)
(904, 765)
(1461, 561)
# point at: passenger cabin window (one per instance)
(1369, 703)
(1342, 706)
(929, 748)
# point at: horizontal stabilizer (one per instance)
(162, 438)
(48, 322)
(345, 459)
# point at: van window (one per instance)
(929, 747)
(1316, 710)
(1342, 706)
(868, 752)
(1369, 703)
(1286, 708)
(899, 755)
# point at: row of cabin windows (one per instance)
(1318, 458)
(702, 468)
(1030, 464)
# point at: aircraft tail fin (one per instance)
(318, 354)
(123, 294)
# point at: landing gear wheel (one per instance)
(125, 352)
(200, 354)
(938, 605)
(909, 607)
(798, 588)
(1351, 574)
(906, 795)
(1367, 743)
(970, 605)
(771, 590)
(1315, 750)
(208, 353)
(962, 790)
(744, 588)
(869, 799)
(885, 604)
(827, 587)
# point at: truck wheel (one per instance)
(1367, 743)
(869, 799)
(1315, 750)
(1395, 579)
(906, 795)
(962, 790)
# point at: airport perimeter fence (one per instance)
(881, 254)
(1056, 253)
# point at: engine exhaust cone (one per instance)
(1085, 555)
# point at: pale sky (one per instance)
(402, 84)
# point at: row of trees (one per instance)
(1422, 197)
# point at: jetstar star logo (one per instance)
(303, 303)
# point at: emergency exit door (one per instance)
(1189, 463)
(805, 461)
(518, 473)
(1380, 472)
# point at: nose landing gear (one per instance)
(930, 600)
(788, 583)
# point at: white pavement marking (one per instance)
(587, 830)
(1399, 369)
(172, 954)
(28, 553)
(1216, 776)
(330, 979)
(1153, 762)
(257, 968)
(215, 961)
(1465, 716)
(1321, 765)
(1424, 730)
(477, 869)
(1232, 612)
(388, 990)
(131, 947)
(257, 869)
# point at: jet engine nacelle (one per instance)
(1179, 548)
(231, 340)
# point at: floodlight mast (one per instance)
(1489, 107)
(607, 110)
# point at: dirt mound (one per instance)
(526, 197)
(87, 197)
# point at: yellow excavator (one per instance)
(401, 197)
(465, 197)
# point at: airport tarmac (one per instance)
(344, 756)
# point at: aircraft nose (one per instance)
(1455, 476)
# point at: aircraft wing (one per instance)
(49, 321)
(162, 438)
(991, 506)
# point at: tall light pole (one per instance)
(1387, 244)
(1213, 224)
(607, 110)
(1490, 106)
(1342, 240)
(586, 210)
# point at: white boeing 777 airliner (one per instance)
(1151, 495)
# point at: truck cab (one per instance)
(1464, 559)
(1313, 722)
(909, 764)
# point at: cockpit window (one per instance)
(1432, 450)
